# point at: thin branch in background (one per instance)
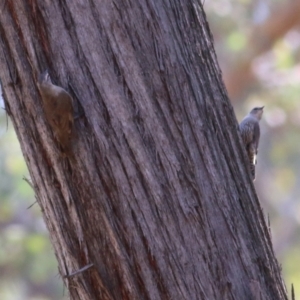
(293, 293)
(239, 77)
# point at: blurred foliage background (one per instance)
(28, 268)
(258, 48)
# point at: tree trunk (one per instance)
(157, 202)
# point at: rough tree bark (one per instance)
(159, 198)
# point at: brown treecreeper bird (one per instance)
(250, 133)
(59, 111)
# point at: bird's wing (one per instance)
(66, 119)
(246, 129)
(256, 135)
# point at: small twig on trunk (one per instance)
(79, 271)
(31, 205)
(29, 182)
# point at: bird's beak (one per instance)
(262, 108)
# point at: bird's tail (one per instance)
(252, 161)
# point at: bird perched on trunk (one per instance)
(250, 133)
(58, 107)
